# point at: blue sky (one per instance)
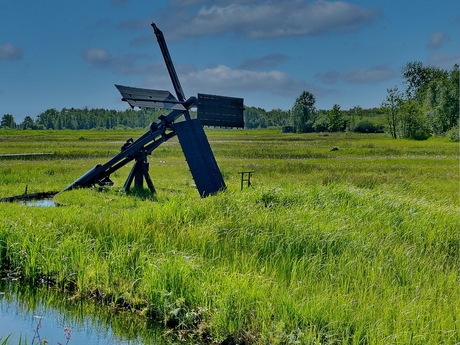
(56, 54)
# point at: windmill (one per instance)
(212, 110)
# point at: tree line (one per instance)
(84, 119)
(304, 118)
(104, 119)
(429, 105)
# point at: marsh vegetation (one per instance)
(360, 245)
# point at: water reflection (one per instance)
(23, 310)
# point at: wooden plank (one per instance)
(199, 157)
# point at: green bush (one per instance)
(368, 127)
(454, 134)
(420, 134)
(320, 126)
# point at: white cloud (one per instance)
(437, 39)
(372, 75)
(266, 19)
(358, 76)
(96, 55)
(10, 52)
(329, 77)
(224, 80)
(220, 79)
(128, 64)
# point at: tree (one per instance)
(354, 112)
(391, 107)
(254, 117)
(304, 112)
(335, 121)
(441, 100)
(8, 121)
(278, 117)
(414, 125)
(48, 118)
(28, 123)
(435, 90)
(418, 77)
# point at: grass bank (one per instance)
(360, 245)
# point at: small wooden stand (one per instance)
(245, 177)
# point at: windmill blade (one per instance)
(199, 156)
(146, 98)
(220, 111)
(169, 64)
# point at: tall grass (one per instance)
(5, 341)
(354, 247)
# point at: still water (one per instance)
(23, 312)
(40, 203)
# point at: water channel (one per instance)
(24, 311)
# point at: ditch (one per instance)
(31, 315)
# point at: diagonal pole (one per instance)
(170, 66)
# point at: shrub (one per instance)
(288, 129)
(320, 126)
(420, 134)
(454, 134)
(368, 127)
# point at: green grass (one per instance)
(355, 246)
(5, 341)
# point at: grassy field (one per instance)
(360, 245)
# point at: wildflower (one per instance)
(68, 334)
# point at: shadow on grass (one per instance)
(142, 193)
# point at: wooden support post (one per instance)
(140, 171)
